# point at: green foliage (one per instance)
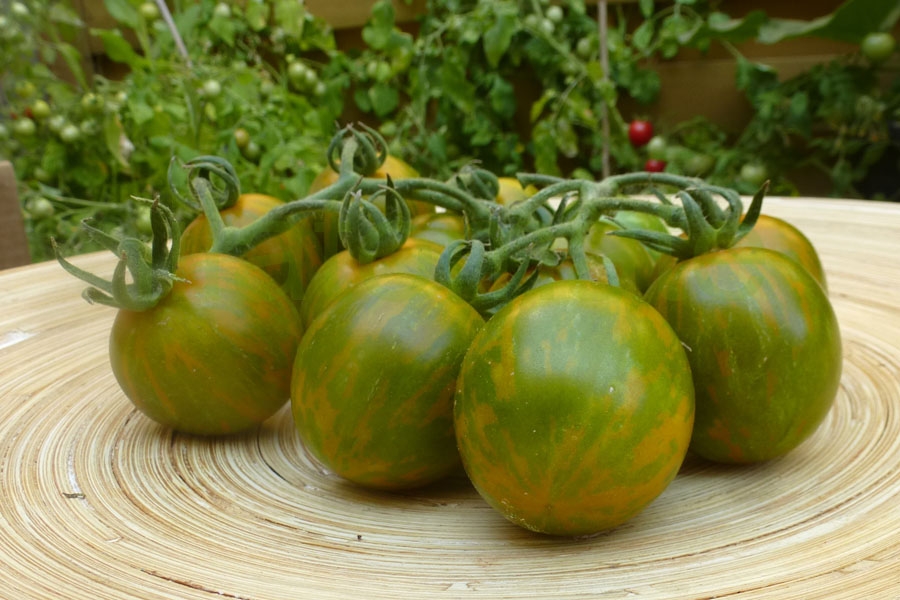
(109, 141)
(513, 84)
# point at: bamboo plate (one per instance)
(98, 502)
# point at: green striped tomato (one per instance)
(341, 272)
(215, 355)
(631, 257)
(779, 235)
(566, 270)
(290, 258)
(574, 408)
(374, 377)
(440, 228)
(764, 346)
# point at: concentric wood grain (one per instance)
(98, 502)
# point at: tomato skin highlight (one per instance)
(374, 378)
(290, 258)
(779, 235)
(640, 132)
(215, 355)
(574, 408)
(764, 347)
(341, 272)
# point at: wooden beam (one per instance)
(13, 243)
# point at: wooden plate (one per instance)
(98, 502)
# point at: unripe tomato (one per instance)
(241, 137)
(211, 88)
(754, 173)
(656, 147)
(69, 133)
(222, 10)
(19, 10)
(91, 102)
(555, 13)
(215, 355)
(24, 89)
(570, 426)
(40, 110)
(640, 132)
(374, 378)
(56, 123)
(24, 128)
(149, 11)
(878, 46)
(40, 208)
(251, 151)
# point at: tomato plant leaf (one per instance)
(123, 12)
(850, 22)
(646, 8)
(224, 27)
(498, 37)
(72, 57)
(380, 28)
(290, 16)
(384, 97)
(257, 14)
(117, 47)
(64, 15)
(642, 38)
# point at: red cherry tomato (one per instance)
(640, 132)
(654, 165)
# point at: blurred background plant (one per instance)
(514, 84)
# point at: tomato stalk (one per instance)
(152, 270)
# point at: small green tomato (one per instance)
(40, 208)
(69, 133)
(149, 11)
(24, 128)
(211, 88)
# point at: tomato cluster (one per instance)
(569, 366)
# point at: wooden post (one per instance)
(13, 243)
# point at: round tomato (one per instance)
(640, 132)
(654, 165)
(511, 191)
(776, 234)
(631, 258)
(374, 377)
(878, 46)
(565, 271)
(327, 222)
(764, 347)
(290, 258)
(574, 408)
(440, 228)
(754, 174)
(214, 356)
(641, 220)
(341, 272)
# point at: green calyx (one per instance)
(367, 232)
(223, 185)
(479, 265)
(480, 183)
(152, 268)
(707, 225)
(369, 154)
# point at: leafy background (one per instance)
(514, 84)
